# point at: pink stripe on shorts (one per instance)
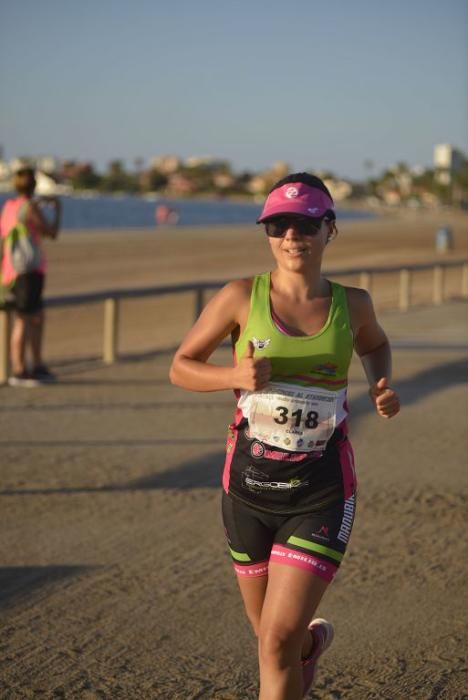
(307, 562)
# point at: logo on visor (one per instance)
(291, 192)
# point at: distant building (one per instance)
(47, 164)
(46, 185)
(339, 189)
(4, 170)
(196, 161)
(166, 164)
(279, 169)
(447, 161)
(223, 180)
(179, 184)
(391, 197)
(257, 185)
(17, 163)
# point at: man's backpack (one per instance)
(23, 251)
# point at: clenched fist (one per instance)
(385, 399)
(251, 373)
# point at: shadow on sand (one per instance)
(201, 472)
(205, 470)
(418, 387)
(19, 582)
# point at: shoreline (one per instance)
(92, 259)
(87, 261)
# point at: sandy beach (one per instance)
(83, 261)
(88, 260)
(114, 575)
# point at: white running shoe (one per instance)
(25, 380)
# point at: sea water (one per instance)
(126, 211)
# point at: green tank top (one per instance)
(321, 360)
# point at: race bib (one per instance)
(299, 419)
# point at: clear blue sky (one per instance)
(321, 84)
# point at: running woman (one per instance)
(289, 485)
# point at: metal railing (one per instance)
(111, 298)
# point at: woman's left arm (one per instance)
(373, 348)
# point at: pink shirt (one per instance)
(8, 219)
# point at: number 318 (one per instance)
(311, 419)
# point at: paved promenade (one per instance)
(114, 577)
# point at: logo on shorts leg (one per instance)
(322, 534)
(347, 521)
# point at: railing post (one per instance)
(365, 280)
(438, 288)
(199, 301)
(405, 290)
(111, 330)
(464, 289)
(4, 345)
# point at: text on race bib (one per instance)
(294, 418)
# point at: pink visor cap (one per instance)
(296, 198)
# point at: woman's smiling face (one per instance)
(296, 249)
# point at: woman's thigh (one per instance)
(292, 596)
(316, 541)
(250, 538)
(274, 553)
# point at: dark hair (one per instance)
(306, 178)
(25, 181)
(312, 181)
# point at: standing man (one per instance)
(27, 286)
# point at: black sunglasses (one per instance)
(303, 225)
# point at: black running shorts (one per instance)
(27, 292)
(315, 541)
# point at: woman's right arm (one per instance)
(225, 312)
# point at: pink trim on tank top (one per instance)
(281, 326)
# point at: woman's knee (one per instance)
(279, 645)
